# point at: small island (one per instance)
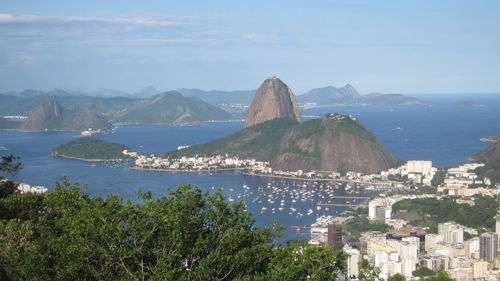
(468, 104)
(92, 149)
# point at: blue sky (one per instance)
(385, 46)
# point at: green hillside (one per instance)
(89, 148)
(260, 141)
(171, 108)
(490, 156)
(335, 142)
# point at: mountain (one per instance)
(41, 118)
(146, 92)
(58, 92)
(52, 117)
(348, 95)
(25, 105)
(490, 156)
(333, 143)
(330, 95)
(388, 99)
(224, 99)
(171, 108)
(274, 99)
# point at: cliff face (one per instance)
(273, 100)
(40, 119)
(339, 143)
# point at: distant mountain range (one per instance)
(22, 103)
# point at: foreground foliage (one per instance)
(184, 235)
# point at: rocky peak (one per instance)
(350, 91)
(273, 99)
(39, 118)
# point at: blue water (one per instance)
(441, 132)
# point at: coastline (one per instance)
(262, 175)
(89, 160)
(488, 140)
(185, 171)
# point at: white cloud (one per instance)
(257, 37)
(124, 20)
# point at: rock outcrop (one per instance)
(40, 119)
(273, 99)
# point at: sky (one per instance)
(399, 46)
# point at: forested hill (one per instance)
(490, 156)
(333, 143)
(91, 149)
(171, 108)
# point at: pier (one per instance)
(338, 205)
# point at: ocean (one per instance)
(442, 132)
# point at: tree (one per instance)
(423, 272)
(396, 277)
(368, 273)
(186, 234)
(9, 167)
(440, 276)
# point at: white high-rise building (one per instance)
(353, 262)
(451, 232)
(497, 228)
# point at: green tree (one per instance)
(396, 277)
(186, 234)
(9, 167)
(423, 272)
(440, 276)
(368, 273)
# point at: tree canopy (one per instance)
(186, 234)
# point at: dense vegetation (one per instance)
(429, 212)
(439, 177)
(171, 108)
(245, 143)
(358, 225)
(490, 156)
(89, 148)
(184, 235)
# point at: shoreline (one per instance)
(89, 160)
(488, 140)
(261, 175)
(184, 171)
